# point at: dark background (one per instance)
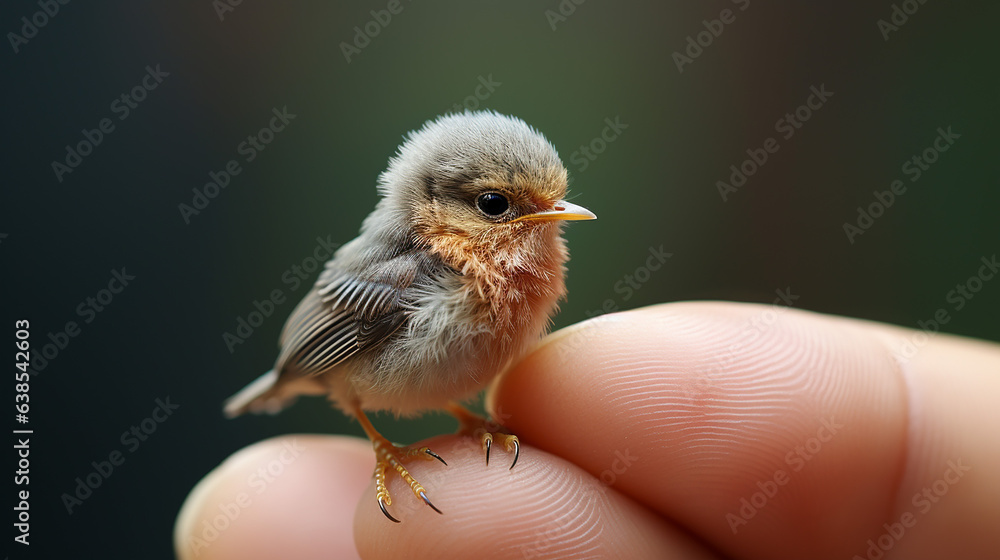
(653, 186)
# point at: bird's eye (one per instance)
(492, 204)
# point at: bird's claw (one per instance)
(427, 501)
(382, 502)
(510, 443)
(392, 456)
(471, 424)
(435, 455)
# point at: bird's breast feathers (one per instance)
(462, 328)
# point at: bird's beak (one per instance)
(561, 210)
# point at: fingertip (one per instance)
(543, 508)
(688, 407)
(287, 497)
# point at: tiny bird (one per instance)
(455, 274)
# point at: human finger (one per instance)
(753, 426)
(545, 507)
(287, 497)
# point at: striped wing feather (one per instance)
(347, 313)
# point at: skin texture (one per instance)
(644, 431)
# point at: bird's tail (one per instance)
(261, 395)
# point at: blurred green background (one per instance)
(562, 67)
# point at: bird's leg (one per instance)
(474, 425)
(391, 456)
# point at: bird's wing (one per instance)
(348, 312)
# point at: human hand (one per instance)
(687, 430)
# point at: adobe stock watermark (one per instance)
(580, 338)
(787, 126)
(564, 9)
(923, 501)
(958, 297)
(249, 148)
(122, 106)
(696, 386)
(589, 152)
(293, 277)
(86, 310)
(257, 483)
(131, 439)
(898, 16)
(633, 281)
(364, 34)
(796, 459)
(548, 532)
(30, 26)
(545, 537)
(626, 286)
(697, 43)
(620, 465)
(224, 7)
(914, 168)
(484, 89)
(759, 323)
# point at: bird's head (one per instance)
(480, 185)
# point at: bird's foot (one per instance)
(390, 457)
(486, 431)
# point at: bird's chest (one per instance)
(463, 325)
(459, 315)
(461, 331)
